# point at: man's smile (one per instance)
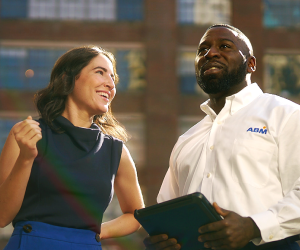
(211, 70)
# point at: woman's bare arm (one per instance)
(130, 198)
(16, 161)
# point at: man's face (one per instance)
(220, 63)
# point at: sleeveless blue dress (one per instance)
(70, 186)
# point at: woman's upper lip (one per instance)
(104, 92)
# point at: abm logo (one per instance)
(258, 130)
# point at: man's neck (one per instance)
(217, 101)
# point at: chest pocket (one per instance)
(250, 162)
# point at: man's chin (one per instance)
(211, 91)
(215, 89)
(212, 86)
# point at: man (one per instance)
(243, 156)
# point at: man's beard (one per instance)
(211, 84)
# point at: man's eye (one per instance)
(225, 46)
(202, 50)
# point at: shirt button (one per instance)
(208, 175)
(271, 237)
(211, 147)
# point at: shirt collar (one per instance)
(238, 100)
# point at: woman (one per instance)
(58, 174)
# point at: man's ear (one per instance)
(251, 64)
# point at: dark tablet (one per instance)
(179, 218)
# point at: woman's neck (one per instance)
(78, 119)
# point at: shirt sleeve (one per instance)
(169, 188)
(282, 220)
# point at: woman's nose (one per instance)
(110, 82)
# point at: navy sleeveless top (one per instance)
(71, 181)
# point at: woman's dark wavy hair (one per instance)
(50, 101)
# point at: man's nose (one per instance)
(212, 52)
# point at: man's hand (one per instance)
(161, 241)
(234, 232)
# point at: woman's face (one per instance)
(94, 88)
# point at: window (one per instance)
(130, 10)
(13, 8)
(72, 9)
(282, 75)
(135, 124)
(203, 12)
(186, 71)
(131, 69)
(12, 62)
(281, 13)
(26, 69)
(29, 69)
(41, 61)
(106, 10)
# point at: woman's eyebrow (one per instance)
(104, 69)
(99, 67)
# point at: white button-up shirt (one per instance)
(246, 158)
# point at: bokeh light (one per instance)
(29, 73)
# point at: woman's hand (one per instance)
(27, 133)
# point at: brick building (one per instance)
(155, 43)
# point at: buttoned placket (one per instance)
(211, 147)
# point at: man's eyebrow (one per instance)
(99, 67)
(221, 39)
(228, 40)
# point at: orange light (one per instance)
(29, 73)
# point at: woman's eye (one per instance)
(113, 77)
(100, 72)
